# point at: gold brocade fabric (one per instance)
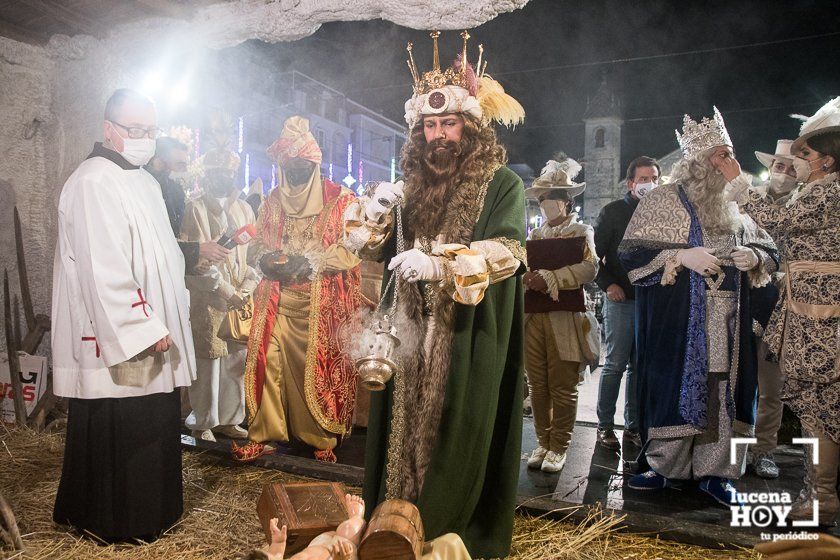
(298, 235)
(329, 382)
(660, 217)
(553, 382)
(205, 220)
(304, 201)
(283, 414)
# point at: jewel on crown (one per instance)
(437, 78)
(697, 137)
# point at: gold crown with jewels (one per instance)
(698, 137)
(437, 78)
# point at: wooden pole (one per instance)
(9, 529)
(14, 364)
(23, 277)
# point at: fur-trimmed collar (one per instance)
(426, 375)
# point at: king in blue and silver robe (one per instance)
(696, 368)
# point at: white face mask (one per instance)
(781, 183)
(179, 175)
(803, 168)
(641, 189)
(552, 209)
(137, 151)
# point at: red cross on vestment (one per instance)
(142, 303)
(93, 339)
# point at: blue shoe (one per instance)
(721, 490)
(650, 480)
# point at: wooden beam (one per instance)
(23, 276)
(18, 33)
(77, 22)
(167, 8)
(300, 466)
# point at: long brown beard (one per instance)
(427, 199)
(431, 178)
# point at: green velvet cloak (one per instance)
(470, 486)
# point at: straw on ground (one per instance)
(220, 520)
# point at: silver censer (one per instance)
(379, 365)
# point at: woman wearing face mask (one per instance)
(804, 331)
(560, 339)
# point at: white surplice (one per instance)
(118, 287)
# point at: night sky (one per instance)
(553, 54)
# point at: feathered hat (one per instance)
(827, 119)
(459, 89)
(557, 175)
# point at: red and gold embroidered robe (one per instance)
(330, 376)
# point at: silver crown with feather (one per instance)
(698, 137)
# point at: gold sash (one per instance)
(810, 309)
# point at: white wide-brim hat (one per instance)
(557, 176)
(827, 119)
(782, 153)
(539, 188)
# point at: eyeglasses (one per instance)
(137, 132)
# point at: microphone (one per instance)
(225, 239)
(239, 237)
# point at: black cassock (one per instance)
(122, 467)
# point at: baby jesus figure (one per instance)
(341, 544)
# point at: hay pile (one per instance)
(599, 538)
(219, 501)
(220, 518)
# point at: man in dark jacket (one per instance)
(642, 176)
(168, 165)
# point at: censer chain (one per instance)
(396, 439)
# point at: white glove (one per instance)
(745, 258)
(700, 260)
(416, 265)
(384, 197)
(737, 189)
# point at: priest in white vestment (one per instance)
(121, 336)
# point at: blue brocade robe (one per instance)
(671, 322)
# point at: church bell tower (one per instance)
(602, 153)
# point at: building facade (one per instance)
(358, 145)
